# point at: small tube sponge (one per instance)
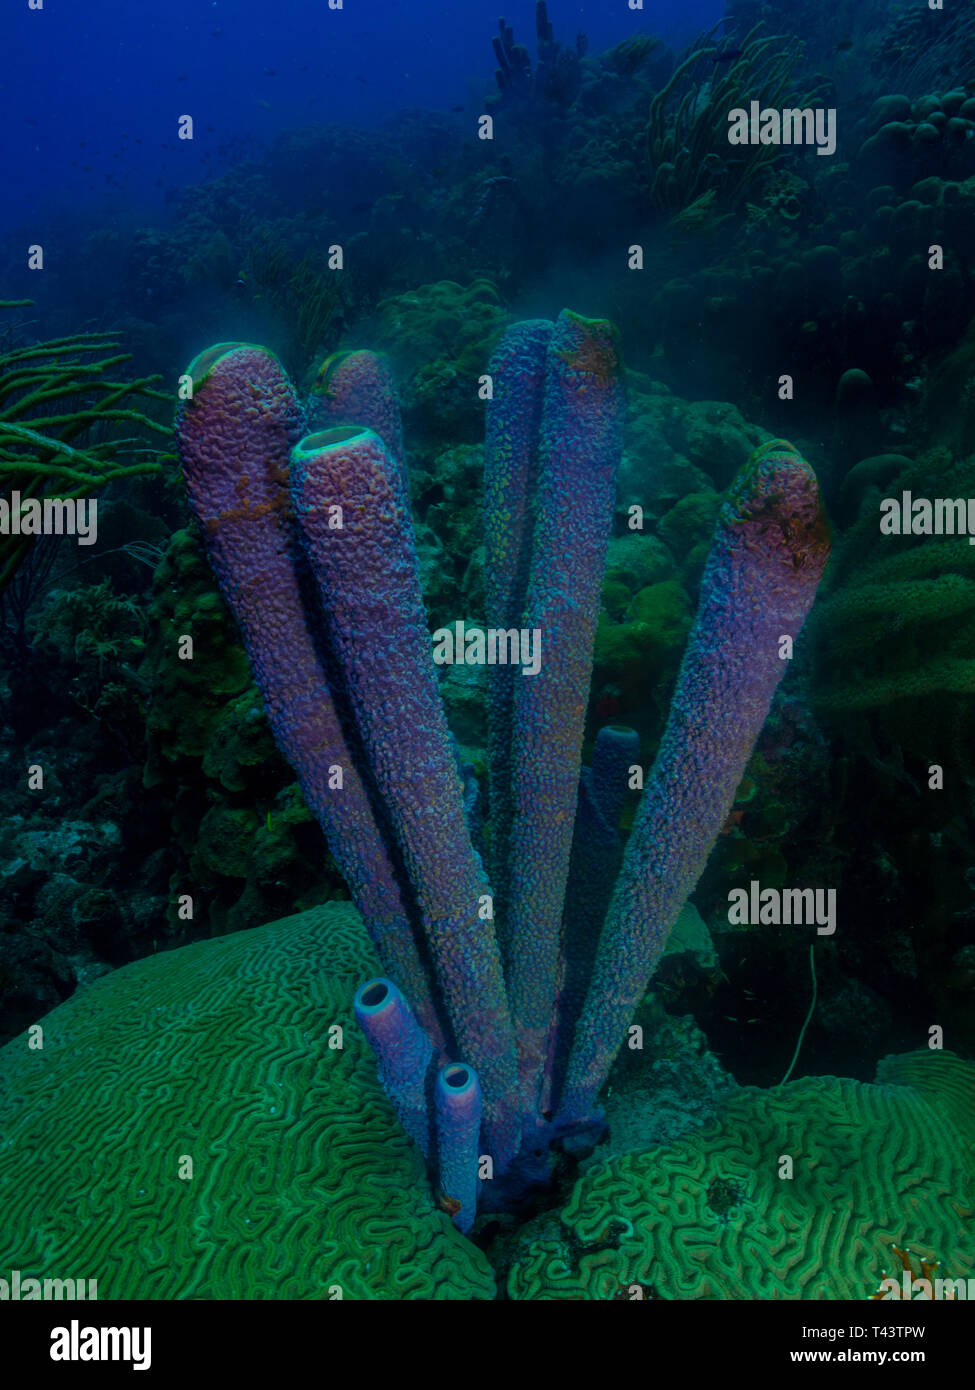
(404, 1053)
(615, 751)
(457, 1118)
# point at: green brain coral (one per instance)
(710, 1216)
(302, 1179)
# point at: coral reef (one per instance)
(695, 172)
(889, 630)
(829, 299)
(557, 76)
(440, 336)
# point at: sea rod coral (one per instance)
(492, 1044)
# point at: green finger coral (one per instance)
(190, 1129)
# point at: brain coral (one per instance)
(709, 1216)
(302, 1178)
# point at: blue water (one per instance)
(93, 91)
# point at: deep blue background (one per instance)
(101, 83)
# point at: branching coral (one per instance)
(557, 76)
(695, 170)
(59, 413)
(307, 296)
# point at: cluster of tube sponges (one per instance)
(504, 1002)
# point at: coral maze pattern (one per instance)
(303, 1178)
(709, 1217)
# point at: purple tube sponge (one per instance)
(404, 1053)
(358, 388)
(457, 1121)
(514, 415)
(358, 534)
(767, 557)
(615, 751)
(234, 437)
(597, 852)
(580, 446)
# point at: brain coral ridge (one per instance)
(715, 1215)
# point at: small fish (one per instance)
(727, 55)
(457, 108)
(451, 1205)
(844, 45)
